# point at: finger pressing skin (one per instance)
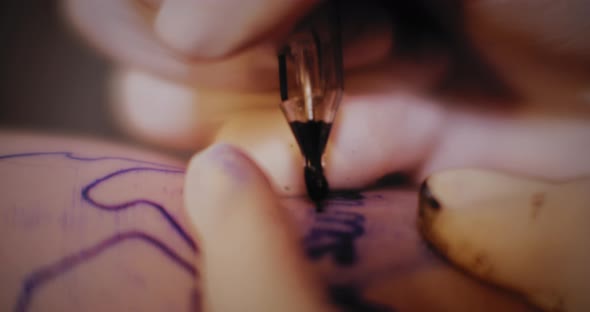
(251, 258)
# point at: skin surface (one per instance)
(91, 226)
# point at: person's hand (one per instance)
(528, 61)
(250, 257)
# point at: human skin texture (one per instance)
(93, 226)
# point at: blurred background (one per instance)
(51, 80)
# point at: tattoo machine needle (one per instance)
(311, 85)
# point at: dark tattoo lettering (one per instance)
(349, 300)
(336, 230)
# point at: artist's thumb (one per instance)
(211, 29)
(251, 258)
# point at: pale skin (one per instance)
(187, 81)
(251, 244)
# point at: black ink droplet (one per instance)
(317, 186)
(349, 299)
(427, 197)
(346, 195)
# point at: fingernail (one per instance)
(206, 29)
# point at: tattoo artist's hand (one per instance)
(251, 258)
(496, 84)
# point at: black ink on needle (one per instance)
(312, 137)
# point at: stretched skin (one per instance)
(93, 226)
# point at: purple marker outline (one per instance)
(72, 156)
(45, 274)
(138, 202)
(41, 276)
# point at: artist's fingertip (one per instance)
(211, 175)
(216, 180)
(160, 111)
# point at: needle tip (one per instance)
(316, 183)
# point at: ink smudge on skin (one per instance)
(336, 231)
(349, 299)
(346, 195)
(334, 234)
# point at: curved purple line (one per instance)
(45, 274)
(169, 218)
(86, 190)
(71, 155)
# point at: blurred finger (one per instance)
(555, 27)
(539, 48)
(123, 30)
(252, 259)
(175, 115)
(201, 28)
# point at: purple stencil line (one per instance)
(85, 191)
(48, 273)
(45, 274)
(134, 203)
(71, 155)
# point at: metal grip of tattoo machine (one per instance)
(310, 68)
